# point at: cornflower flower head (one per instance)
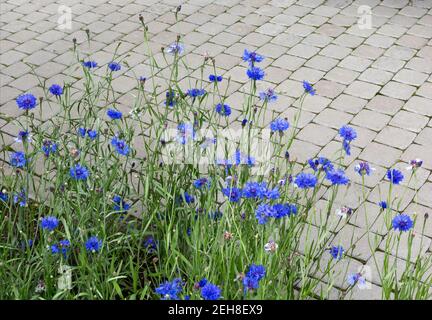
(363, 168)
(194, 93)
(18, 159)
(114, 114)
(49, 223)
(114, 66)
(90, 64)
(56, 90)
(252, 57)
(49, 147)
(26, 101)
(255, 73)
(395, 176)
(79, 172)
(308, 88)
(279, 125)
(337, 252)
(20, 198)
(23, 136)
(93, 244)
(175, 48)
(215, 78)
(170, 290)
(415, 164)
(402, 222)
(120, 146)
(337, 177)
(305, 180)
(255, 190)
(223, 109)
(120, 205)
(268, 96)
(210, 292)
(202, 183)
(234, 194)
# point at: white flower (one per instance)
(271, 246)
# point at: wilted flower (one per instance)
(175, 48)
(344, 212)
(271, 246)
(363, 168)
(268, 96)
(414, 164)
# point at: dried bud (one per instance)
(426, 215)
(228, 235)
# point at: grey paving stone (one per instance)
(419, 105)
(388, 64)
(380, 154)
(348, 103)
(333, 118)
(395, 137)
(316, 134)
(342, 75)
(335, 51)
(376, 76)
(409, 120)
(398, 90)
(411, 77)
(385, 104)
(362, 89)
(303, 51)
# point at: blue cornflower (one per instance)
(62, 247)
(150, 244)
(325, 164)
(90, 64)
(233, 194)
(264, 212)
(348, 133)
(337, 252)
(402, 222)
(383, 204)
(26, 101)
(186, 197)
(185, 132)
(210, 292)
(114, 66)
(56, 90)
(20, 198)
(253, 277)
(347, 147)
(79, 172)
(170, 290)
(308, 88)
(93, 244)
(142, 79)
(269, 95)
(305, 180)
(18, 159)
(120, 205)
(252, 57)
(284, 210)
(175, 48)
(223, 109)
(49, 223)
(255, 190)
(4, 196)
(272, 194)
(255, 73)
(196, 92)
(120, 146)
(170, 98)
(256, 271)
(356, 278)
(279, 125)
(337, 177)
(82, 132)
(202, 182)
(49, 147)
(363, 168)
(114, 114)
(92, 134)
(23, 136)
(215, 78)
(202, 282)
(395, 176)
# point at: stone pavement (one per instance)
(378, 79)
